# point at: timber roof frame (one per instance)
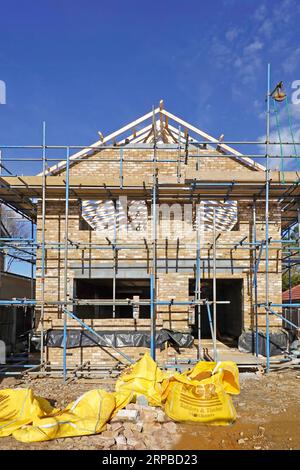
(164, 131)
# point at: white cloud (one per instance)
(232, 34)
(260, 13)
(249, 62)
(270, 33)
(221, 54)
(286, 136)
(266, 28)
(291, 63)
(253, 47)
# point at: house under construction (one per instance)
(157, 236)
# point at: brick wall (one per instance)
(82, 261)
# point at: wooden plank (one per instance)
(100, 143)
(208, 137)
(136, 136)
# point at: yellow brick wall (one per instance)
(170, 285)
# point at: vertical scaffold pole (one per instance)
(298, 225)
(32, 265)
(114, 251)
(214, 287)
(289, 268)
(32, 323)
(198, 287)
(179, 156)
(267, 221)
(65, 371)
(121, 169)
(43, 254)
(154, 236)
(254, 238)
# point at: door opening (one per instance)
(229, 316)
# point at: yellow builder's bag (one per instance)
(87, 415)
(230, 376)
(19, 407)
(143, 378)
(32, 419)
(200, 396)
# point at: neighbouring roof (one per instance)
(157, 123)
(295, 294)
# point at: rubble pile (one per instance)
(139, 427)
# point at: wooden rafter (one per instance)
(167, 133)
(99, 144)
(149, 134)
(211, 139)
(168, 130)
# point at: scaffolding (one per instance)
(21, 194)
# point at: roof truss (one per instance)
(160, 130)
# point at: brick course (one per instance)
(170, 284)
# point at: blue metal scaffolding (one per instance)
(257, 247)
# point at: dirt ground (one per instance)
(268, 416)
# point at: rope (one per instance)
(291, 130)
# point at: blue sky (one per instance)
(84, 66)
(87, 65)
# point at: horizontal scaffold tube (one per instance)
(23, 302)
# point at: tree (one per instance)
(295, 279)
(293, 234)
(13, 225)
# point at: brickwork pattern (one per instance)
(170, 284)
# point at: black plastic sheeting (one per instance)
(118, 339)
(278, 342)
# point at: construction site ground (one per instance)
(268, 416)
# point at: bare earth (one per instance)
(268, 411)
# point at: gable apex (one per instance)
(163, 128)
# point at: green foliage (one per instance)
(295, 279)
(293, 234)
